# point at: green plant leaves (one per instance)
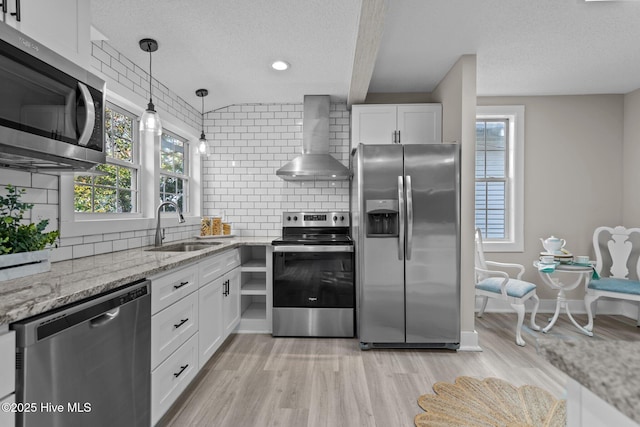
(15, 235)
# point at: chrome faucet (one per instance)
(160, 234)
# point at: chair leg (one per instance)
(533, 324)
(588, 300)
(519, 308)
(483, 305)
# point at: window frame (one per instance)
(185, 176)
(514, 191)
(117, 162)
(74, 225)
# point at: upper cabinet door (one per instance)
(396, 124)
(373, 124)
(420, 124)
(61, 25)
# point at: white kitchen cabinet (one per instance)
(173, 286)
(231, 301)
(61, 25)
(210, 320)
(172, 376)
(174, 335)
(7, 375)
(171, 327)
(217, 317)
(396, 123)
(255, 289)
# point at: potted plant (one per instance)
(22, 245)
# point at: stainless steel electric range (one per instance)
(313, 276)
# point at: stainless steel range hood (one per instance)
(315, 163)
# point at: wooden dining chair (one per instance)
(492, 282)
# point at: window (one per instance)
(141, 170)
(492, 163)
(174, 170)
(116, 190)
(499, 187)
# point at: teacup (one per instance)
(547, 259)
(581, 259)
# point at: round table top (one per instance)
(569, 267)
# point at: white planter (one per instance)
(23, 264)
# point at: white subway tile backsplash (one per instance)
(239, 173)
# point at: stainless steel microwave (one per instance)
(51, 109)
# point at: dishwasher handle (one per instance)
(105, 318)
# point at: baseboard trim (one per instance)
(469, 341)
(606, 306)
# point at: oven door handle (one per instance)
(314, 248)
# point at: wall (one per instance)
(247, 144)
(457, 93)
(573, 173)
(126, 82)
(631, 155)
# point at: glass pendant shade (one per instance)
(150, 122)
(202, 147)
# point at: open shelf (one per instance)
(255, 289)
(255, 311)
(254, 265)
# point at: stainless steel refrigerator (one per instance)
(405, 219)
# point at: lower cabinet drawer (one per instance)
(167, 289)
(172, 326)
(170, 379)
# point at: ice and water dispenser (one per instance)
(382, 218)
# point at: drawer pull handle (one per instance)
(180, 285)
(182, 322)
(182, 368)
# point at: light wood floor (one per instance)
(257, 380)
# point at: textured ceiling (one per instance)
(523, 47)
(227, 46)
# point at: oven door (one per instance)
(313, 276)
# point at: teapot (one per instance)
(553, 244)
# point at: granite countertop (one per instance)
(73, 280)
(607, 368)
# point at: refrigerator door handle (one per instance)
(409, 216)
(401, 219)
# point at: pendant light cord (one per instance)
(150, 75)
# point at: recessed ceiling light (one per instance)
(280, 65)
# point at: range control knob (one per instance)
(288, 218)
(342, 218)
(335, 218)
(295, 218)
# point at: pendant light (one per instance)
(202, 147)
(150, 120)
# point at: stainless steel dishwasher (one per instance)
(87, 364)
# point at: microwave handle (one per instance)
(87, 130)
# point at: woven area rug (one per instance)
(490, 402)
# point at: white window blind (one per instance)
(492, 163)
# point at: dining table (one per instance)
(581, 274)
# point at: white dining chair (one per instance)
(616, 249)
(492, 282)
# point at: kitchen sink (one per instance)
(185, 247)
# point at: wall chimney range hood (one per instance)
(315, 163)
